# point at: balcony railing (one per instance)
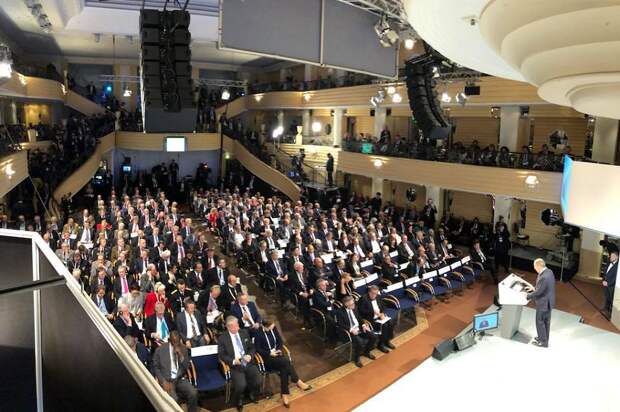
(457, 153)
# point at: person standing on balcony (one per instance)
(329, 167)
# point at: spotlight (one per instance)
(377, 99)
(387, 36)
(409, 44)
(435, 72)
(316, 127)
(377, 163)
(391, 90)
(397, 98)
(445, 97)
(461, 98)
(225, 95)
(307, 97)
(550, 217)
(6, 62)
(107, 88)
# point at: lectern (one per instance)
(512, 297)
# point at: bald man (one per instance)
(544, 296)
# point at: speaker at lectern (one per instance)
(512, 297)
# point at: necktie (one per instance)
(277, 268)
(194, 328)
(87, 236)
(164, 329)
(124, 284)
(219, 275)
(351, 318)
(240, 348)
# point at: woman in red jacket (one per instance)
(158, 295)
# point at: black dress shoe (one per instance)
(253, 398)
(383, 349)
(370, 356)
(240, 407)
(358, 363)
(390, 345)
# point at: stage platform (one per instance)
(576, 373)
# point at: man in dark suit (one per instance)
(247, 313)
(406, 250)
(178, 296)
(372, 309)
(197, 279)
(478, 255)
(170, 364)
(329, 167)
(609, 281)
(230, 292)
(362, 338)
(158, 326)
(218, 274)
(192, 326)
(544, 295)
(297, 284)
(103, 302)
(235, 349)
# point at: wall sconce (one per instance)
(226, 155)
(390, 90)
(531, 181)
(397, 98)
(258, 97)
(377, 163)
(316, 127)
(22, 79)
(63, 88)
(307, 97)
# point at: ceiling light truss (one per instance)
(392, 9)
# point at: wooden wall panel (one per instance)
(471, 205)
(576, 128)
(398, 125)
(365, 124)
(485, 130)
(540, 235)
(155, 141)
(396, 193)
(361, 185)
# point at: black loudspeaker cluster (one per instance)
(165, 69)
(423, 101)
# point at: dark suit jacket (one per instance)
(364, 306)
(262, 346)
(107, 301)
(150, 324)
(213, 279)
(610, 276)
(194, 282)
(226, 350)
(342, 318)
(182, 324)
(107, 283)
(161, 363)
(118, 288)
(124, 330)
(544, 294)
(235, 309)
(321, 302)
(229, 295)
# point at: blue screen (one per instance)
(486, 321)
(566, 175)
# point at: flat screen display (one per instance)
(175, 144)
(486, 321)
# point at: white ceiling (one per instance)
(76, 21)
(445, 25)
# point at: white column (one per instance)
(13, 116)
(337, 127)
(605, 140)
(280, 118)
(377, 186)
(380, 116)
(509, 127)
(307, 72)
(437, 194)
(503, 207)
(306, 122)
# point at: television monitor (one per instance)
(126, 168)
(175, 144)
(486, 321)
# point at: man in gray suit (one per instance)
(170, 363)
(544, 295)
